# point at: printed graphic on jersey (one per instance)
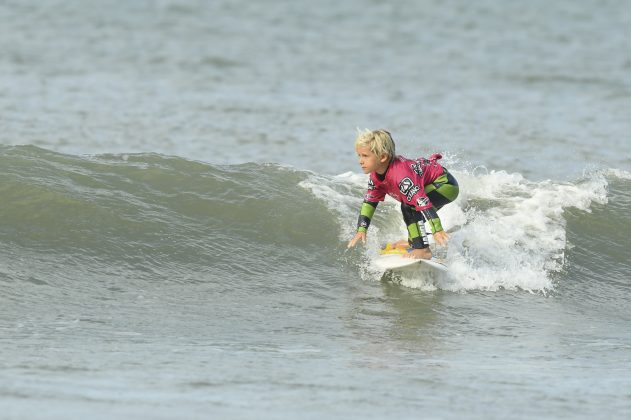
(412, 191)
(371, 185)
(416, 167)
(422, 202)
(405, 185)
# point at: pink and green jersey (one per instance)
(405, 181)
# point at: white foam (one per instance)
(619, 173)
(506, 231)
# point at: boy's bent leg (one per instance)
(415, 224)
(443, 193)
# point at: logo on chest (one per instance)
(407, 188)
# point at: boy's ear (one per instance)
(383, 158)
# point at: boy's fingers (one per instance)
(442, 238)
(354, 241)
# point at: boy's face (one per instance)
(370, 162)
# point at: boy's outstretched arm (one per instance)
(431, 216)
(365, 215)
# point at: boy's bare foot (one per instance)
(424, 253)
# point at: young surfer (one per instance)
(423, 186)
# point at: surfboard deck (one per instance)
(391, 258)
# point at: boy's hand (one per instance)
(441, 238)
(358, 236)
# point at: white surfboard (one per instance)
(392, 261)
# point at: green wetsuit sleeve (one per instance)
(431, 216)
(365, 215)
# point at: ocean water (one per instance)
(178, 184)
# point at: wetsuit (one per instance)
(422, 186)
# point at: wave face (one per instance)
(148, 216)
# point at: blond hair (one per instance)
(379, 141)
